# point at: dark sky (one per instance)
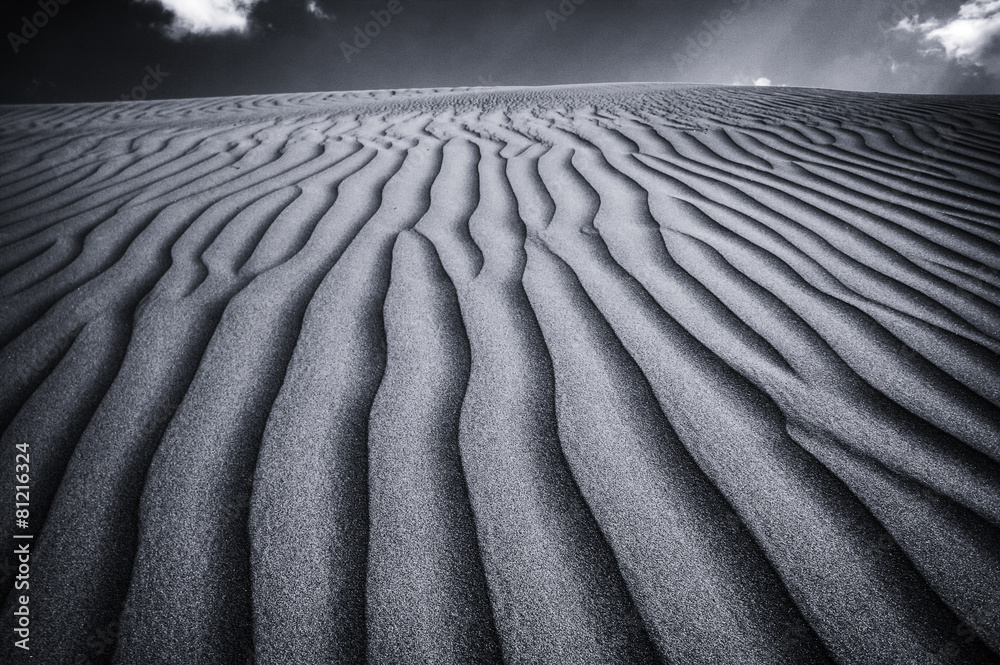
(98, 51)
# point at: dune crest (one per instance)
(602, 374)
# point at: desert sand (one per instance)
(627, 373)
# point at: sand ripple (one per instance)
(594, 374)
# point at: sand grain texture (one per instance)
(627, 373)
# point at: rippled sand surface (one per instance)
(598, 374)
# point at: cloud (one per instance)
(967, 37)
(313, 8)
(206, 17)
(760, 81)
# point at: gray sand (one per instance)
(596, 374)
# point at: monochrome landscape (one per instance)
(620, 373)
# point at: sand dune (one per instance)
(597, 374)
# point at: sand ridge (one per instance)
(625, 373)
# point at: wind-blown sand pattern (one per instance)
(604, 374)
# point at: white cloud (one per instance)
(967, 36)
(761, 81)
(206, 17)
(913, 24)
(313, 8)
